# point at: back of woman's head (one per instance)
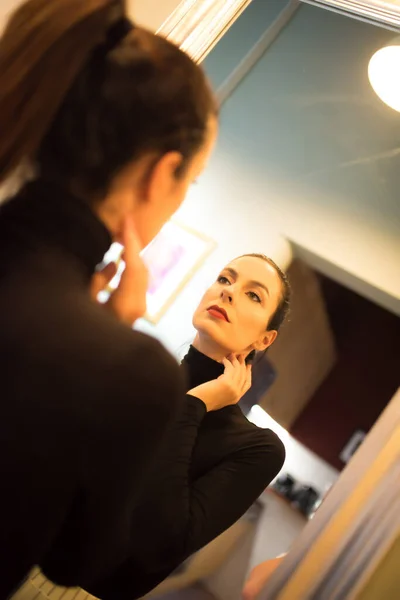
(83, 94)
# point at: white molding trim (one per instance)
(230, 84)
(197, 25)
(385, 13)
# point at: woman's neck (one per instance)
(207, 346)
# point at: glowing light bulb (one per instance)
(384, 75)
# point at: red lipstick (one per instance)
(218, 313)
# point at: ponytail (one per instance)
(38, 65)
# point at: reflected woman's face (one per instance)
(235, 311)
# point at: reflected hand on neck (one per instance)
(209, 347)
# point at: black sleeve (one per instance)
(200, 510)
(128, 422)
(186, 515)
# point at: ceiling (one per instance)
(307, 145)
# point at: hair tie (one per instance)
(117, 32)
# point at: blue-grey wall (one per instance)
(241, 37)
(307, 150)
(305, 138)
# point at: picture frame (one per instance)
(172, 258)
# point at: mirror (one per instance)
(306, 171)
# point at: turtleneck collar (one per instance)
(44, 214)
(200, 368)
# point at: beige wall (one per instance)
(6, 6)
(152, 13)
(148, 13)
(304, 352)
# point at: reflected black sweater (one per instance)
(110, 475)
(214, 467)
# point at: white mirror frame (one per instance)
(385, 13)
(197, 25)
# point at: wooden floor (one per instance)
(39, 588)
(188, 594)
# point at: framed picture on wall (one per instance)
(172, 258)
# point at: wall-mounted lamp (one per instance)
(384, 73)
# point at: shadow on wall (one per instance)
(304, 352)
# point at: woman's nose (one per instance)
(227, 296)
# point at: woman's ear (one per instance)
(266, 341)
(162, 180)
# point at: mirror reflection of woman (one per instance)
(215, 463)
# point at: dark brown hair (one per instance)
(283, 308)
(80, 109)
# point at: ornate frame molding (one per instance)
(197, 25)
(385, 13)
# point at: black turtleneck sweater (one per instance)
(214, 467)
(82, 413)
(110, 475)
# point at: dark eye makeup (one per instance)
(223, 280)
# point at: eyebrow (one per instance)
(252, 283)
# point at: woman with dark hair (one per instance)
(214, 464)
(113, 124)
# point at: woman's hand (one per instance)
(259, 577)
(228, 388)
(128, 301)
